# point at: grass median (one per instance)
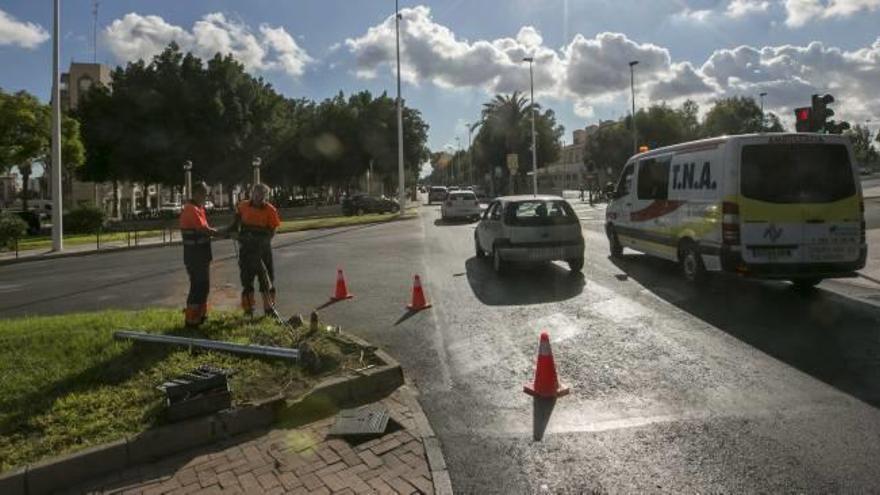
(66, 384)
(45, 241)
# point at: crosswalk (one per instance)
(588, 214)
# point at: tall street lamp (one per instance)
(763, 120)
(256, 164)
(531, 60)
(57, 204)
(470, 157)
(401, 183)
(632, 88)
(187, 179)
(458, 157)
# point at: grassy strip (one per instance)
(45, 242)
(338, 221)
(66, 384)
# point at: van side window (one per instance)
(653, 180)
(624, 185)
(495, 212)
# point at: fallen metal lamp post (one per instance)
(214, 345)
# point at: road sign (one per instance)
(512, 162)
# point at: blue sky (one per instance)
(457, 53)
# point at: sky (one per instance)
(457, 54)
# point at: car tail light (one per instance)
(730, 223)
(861, 221)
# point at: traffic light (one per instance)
(821, 113)
(803, 119)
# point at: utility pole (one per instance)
(187, 180)
(256, 164)
(470, 156)
(531, 60)
(763, 120)
(632, 88)
(95, 4)
(57, 204)
(401, 182)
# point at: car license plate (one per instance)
(772, 254)
(546, 254)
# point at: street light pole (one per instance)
(530, 60)
(57, 203)
(256, 164)
(401, 183)
(187, 180)
(632, 88)
(458, 157)
(470, 157)
(763, 120)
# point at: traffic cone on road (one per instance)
(546, 383)
(418, 296)
(341, 287)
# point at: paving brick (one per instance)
(289, 481)
(423, 484)
(333, 468)
(227, 479)
(207, 478)
(401, 486)
(187, 476)
(385, 446)
(370, 459)
(380, 486)
(249, 483)
(346, 491)
(328, 455)
(231, 465)
(268, 481)
(332, 481)
(311, 481)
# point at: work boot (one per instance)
(192, 315)
(203, 312)
(247, 304)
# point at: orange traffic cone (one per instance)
(546, 383)
(418, 296)
(341, 288)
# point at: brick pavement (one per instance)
(297, 461)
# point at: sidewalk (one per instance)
(299, 461)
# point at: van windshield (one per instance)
(540, 213)
(796, 173)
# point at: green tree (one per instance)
(860, 136)
(505, 128)
(738, 115)
(25, 138)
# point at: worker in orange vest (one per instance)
(256, 221)
(197, 257)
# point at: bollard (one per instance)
(128, 238)
(16, 248)
(98, 239)
(135, 238)
(163, 236)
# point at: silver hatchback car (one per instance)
(530, 228)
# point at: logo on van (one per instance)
(684, 176)
(773, 233)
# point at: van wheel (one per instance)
(614, 243)
(691, 263)
(575, 265)
(805, 284)
(498, 264)
(479, 251)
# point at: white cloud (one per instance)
(23, 34)
(591, 72)
(135, 36)
(800, 12)
(688, 15)
(743, 8)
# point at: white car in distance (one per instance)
(460, 204)
(530, 228)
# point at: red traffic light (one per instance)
(802, 114)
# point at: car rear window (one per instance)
(796, 173)
(463, 195)
(539, 213)
(438, 189)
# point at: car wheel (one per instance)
(614, 243)
(691, 263)
(498, 264)
(805, 284)
(479, 251)
(576, 265)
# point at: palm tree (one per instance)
(504, 115)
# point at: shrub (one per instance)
(11, 227)
(84, 220)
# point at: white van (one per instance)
(779, 206)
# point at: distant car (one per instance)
(864, 171)
(460, 204)
(171, 208)
(361, 203)
(530, 228)
(436, 193)
(209, 205)
(453, 188)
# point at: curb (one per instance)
(433, 449)
(76, 254)
(326, 398)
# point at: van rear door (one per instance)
(799, 202)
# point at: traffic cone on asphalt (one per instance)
(418, 296)
(341, 288)
(546, 383)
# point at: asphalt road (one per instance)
(739, 387)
